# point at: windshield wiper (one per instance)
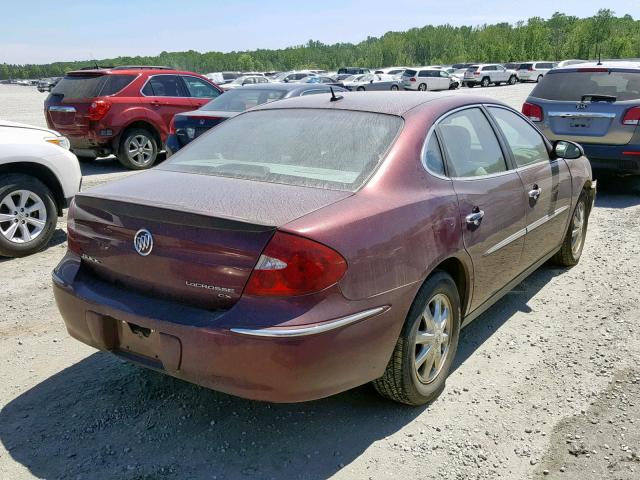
(593, 97)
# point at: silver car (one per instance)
(596, 105)
(372, 81)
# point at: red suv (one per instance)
(124, 111)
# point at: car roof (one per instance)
(390, 103)
(130, 71)
(289, 87)
(623, 64)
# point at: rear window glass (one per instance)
(472, 68)
(80, 86)
(524, 66)
(335, 150)
(242, 99)
(571, 86)
(409, 73)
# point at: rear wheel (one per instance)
(394, 88)
(28, 215)
(138, 149)
(485, 82)
(512, 80)
(571, 250)
(427, 345)
(360, 89)
(422, 87)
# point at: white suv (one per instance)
(534, 71)
(38, 178)
(488, 73)
(425, 78)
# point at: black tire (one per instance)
(470, 85)
(394, 88)
(400, 381)
(568, 256)
(512, 80)
(422, 87)
(138, 160)
(360, 89)
(16, 247)
(485, 82)
(539, 78)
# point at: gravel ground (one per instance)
(546, 383)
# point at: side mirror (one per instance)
(568, 150)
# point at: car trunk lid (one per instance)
(589, 121)
(208, 232)
(67, 106)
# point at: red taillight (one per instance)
(412, 79)
(530, 69)
(99, 109)
(72, 243)
(631, 116)
(476, 73)
(595, 69)
(292, 265)
(533, 111)
(172, 126)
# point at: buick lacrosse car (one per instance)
(314, 244)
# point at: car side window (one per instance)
(444, 74)
(524, 141)
(423, 73)
(164, 86)
(471, 145)
(433, 156)
(198, 88)
(314, 92)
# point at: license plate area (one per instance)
(140, 340)
(580, 123)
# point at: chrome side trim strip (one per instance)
(506, 241)
(524, 231)
(59, 108)
(546, 218)
(582, 114)
(302, 331)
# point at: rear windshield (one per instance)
(571, 86)
(409, 73)
(334, 150)
(89, 86)
(242, 99)
(524, 66)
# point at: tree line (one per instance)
(558, 37)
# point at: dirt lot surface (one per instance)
(546, 384)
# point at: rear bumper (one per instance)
(293, 364)
(173, 145)
(622, 159)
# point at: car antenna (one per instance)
(334, 98)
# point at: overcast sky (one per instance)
(35, 31)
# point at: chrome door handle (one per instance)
(535, 192)
(475, 217)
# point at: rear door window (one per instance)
(198, 88)
(164, 86)
(571, 86)
(471, 144)
(525, 142)
(115, 83)
(433, 156)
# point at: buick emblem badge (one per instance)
(143, 242)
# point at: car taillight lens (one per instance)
(72, 243)
(172, 126)
(476, 73)
(530, 69)
(291, 265)
(631, 116)
(98, 109)
(533, 111)
(412, 79)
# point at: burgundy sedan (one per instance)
(311, 245)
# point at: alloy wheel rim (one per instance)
(577, 231)
(23, 216)
(140, 150)
(433, 338)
